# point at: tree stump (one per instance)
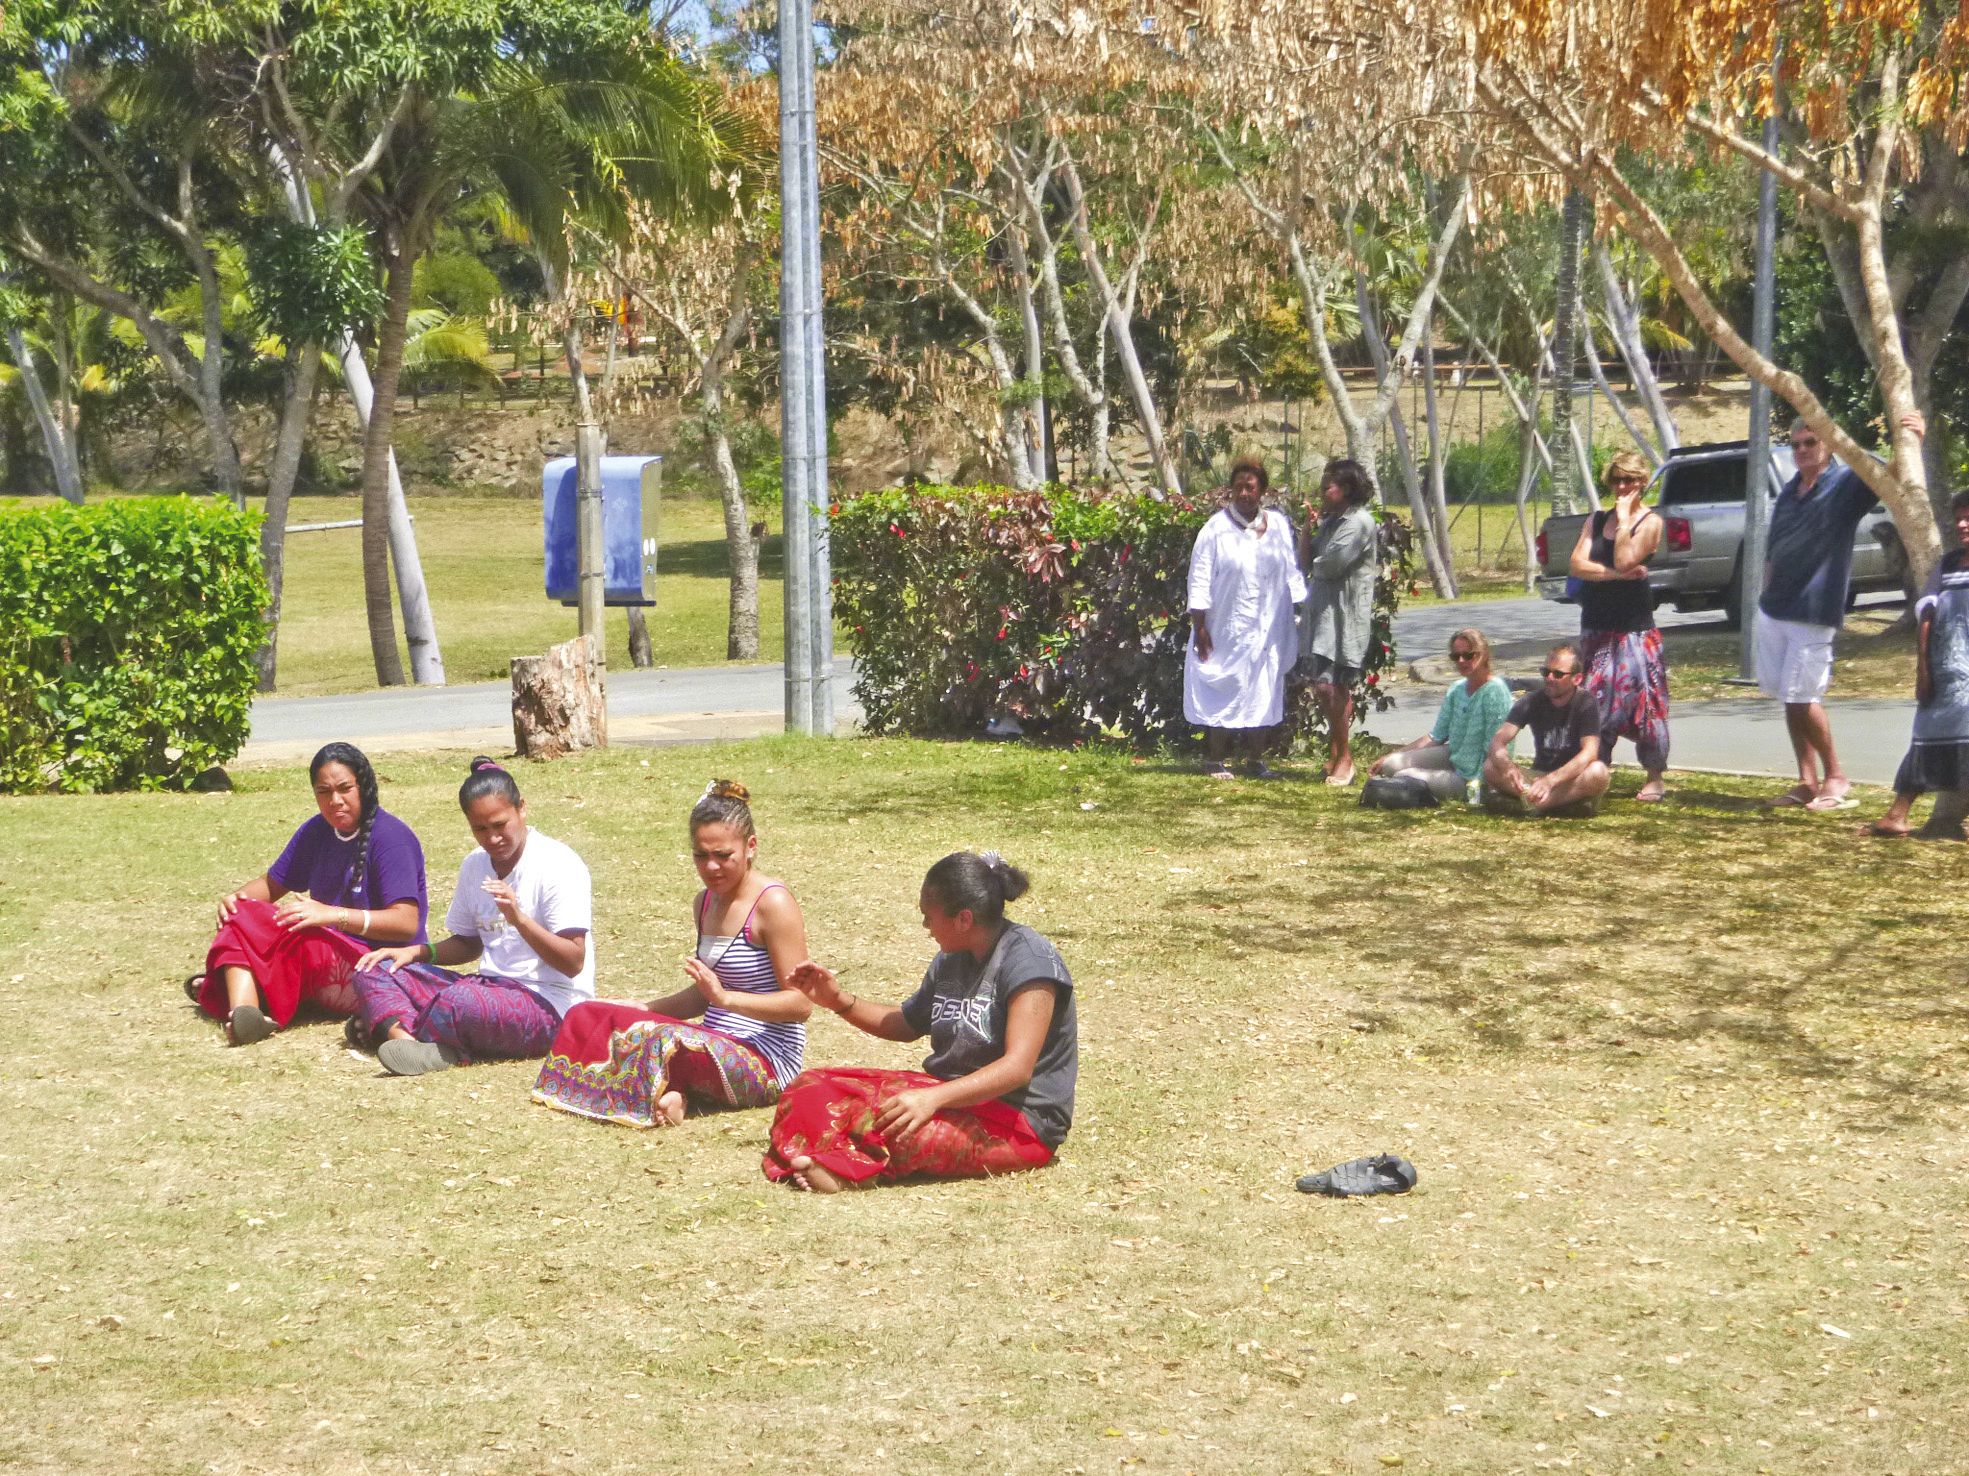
(559, 701)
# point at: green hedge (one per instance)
(1065, 608)
(127, 634)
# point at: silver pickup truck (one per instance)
(1699, 566)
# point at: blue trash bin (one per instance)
(631, 486)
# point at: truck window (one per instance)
(1720, 480)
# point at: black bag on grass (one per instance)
(1398, 792)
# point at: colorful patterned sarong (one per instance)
(829, 1115)
(480, 1016)
(612, 1062)
(1625, 671)
(304, 964)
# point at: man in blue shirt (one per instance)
(1808, 564)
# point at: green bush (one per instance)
(1486, 470)
(127, 633)
(1064, 608)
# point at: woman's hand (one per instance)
(704, 979)
(294, 912)
(389, 960)
(504, 898)
(817, 983)
(905, 1112)
(228, 905)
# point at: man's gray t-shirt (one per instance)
(961, 1006)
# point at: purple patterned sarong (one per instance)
(480, 1016)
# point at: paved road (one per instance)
(701, 703)
(681, 705)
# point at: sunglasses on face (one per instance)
(1555, 674)
(1628, 481)
(1462, 655)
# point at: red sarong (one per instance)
(829, 1115)
(312, 964)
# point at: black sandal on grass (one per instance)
(194, 987)
(250, 1025)
(1382, 1174)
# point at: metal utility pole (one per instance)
(1757, 458)
(591, 589)
(803, 387)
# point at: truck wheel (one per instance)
(1733, 599)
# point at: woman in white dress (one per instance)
(1244, 581)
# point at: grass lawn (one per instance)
(482, 561)
(1685, 1086)
(1489, 558)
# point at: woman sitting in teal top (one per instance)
(1451, 758)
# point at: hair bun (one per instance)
(729, 789)
(482, 763)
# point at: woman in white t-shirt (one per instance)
(523, 910)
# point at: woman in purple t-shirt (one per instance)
(352, 877)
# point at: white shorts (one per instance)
(1794, 660)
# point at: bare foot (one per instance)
(1800, 794)
(812, 1177)
(669, 1110)
(1881, 830)
(1653, 790)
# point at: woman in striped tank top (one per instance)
(642, 1066)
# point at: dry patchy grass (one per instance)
(1685, 1087)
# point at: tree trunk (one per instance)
(1592, 354)
(1120, 332)
(1442, 576)
(1572, 227)
(559, 701)
(1625, 324)
(392, 333)
(1034, 376)
(1438, 493)
(420, 629)
(60, 445)
(299, 372)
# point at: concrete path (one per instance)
(699, 704)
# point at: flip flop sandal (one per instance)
(1791, 797)
(1827, 802)
(1382, 1174)
(1262, 770)
(250, 1025)
(1220, 772)
(355, 1037)
(194, 987)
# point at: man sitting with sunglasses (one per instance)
(1566, 772)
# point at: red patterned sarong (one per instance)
(1625, 670)
(311, 964)
(612, 1062)
(829, 1116)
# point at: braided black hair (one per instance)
(352, 758)
(982, 883)
(487, 778)
(724, 802)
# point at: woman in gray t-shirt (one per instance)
(996, 1092)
